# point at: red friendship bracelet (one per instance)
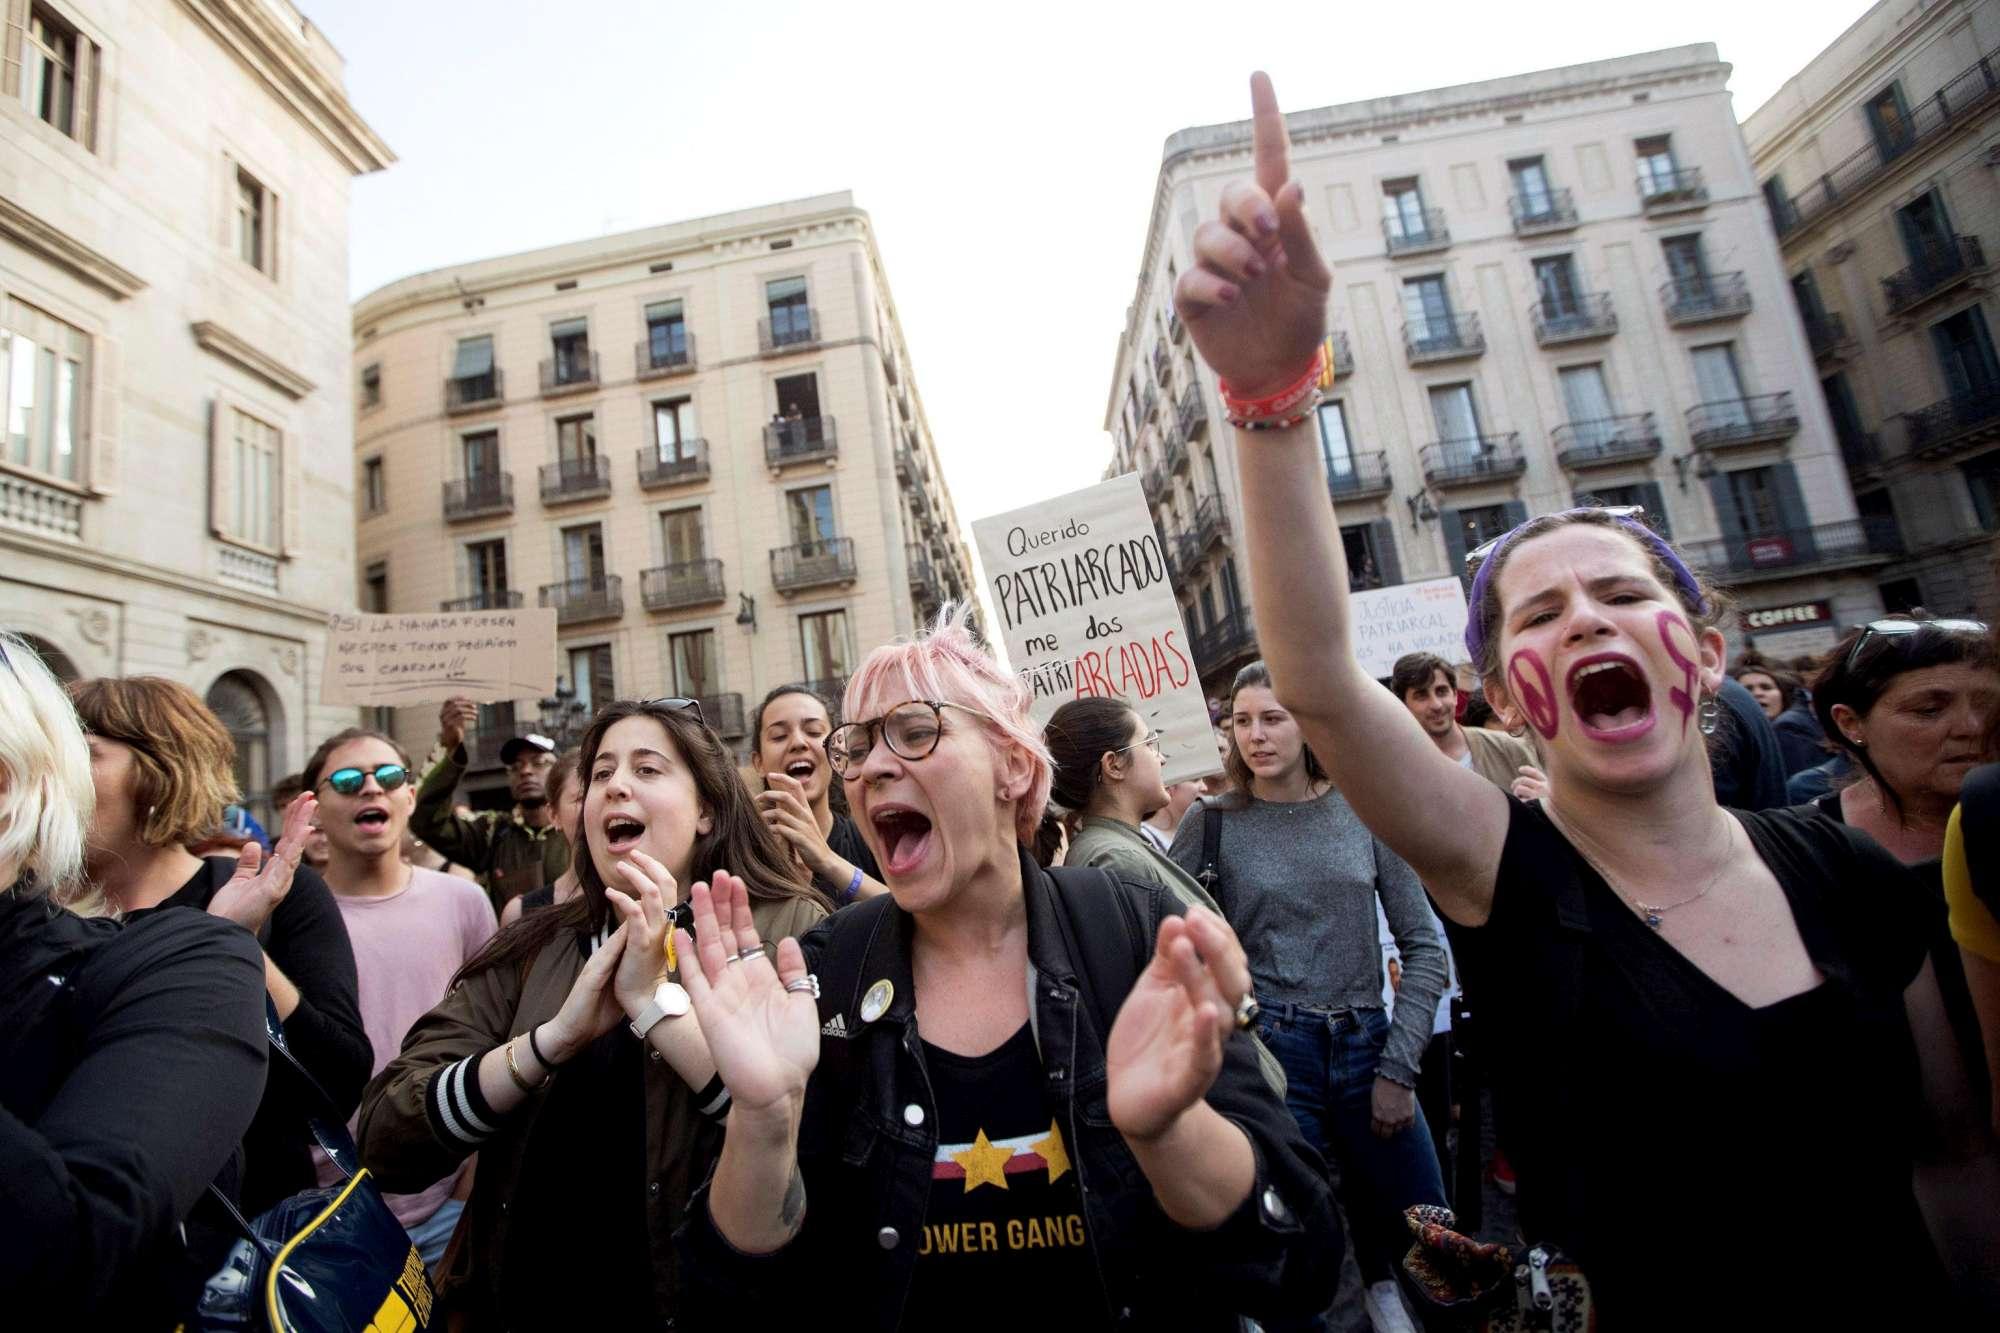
(1282, 403)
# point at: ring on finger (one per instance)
(745, 955)
(1247, 1010)
(807, 984)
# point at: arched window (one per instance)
(54, 658)
(239, 702)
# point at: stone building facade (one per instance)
(174, 354)
(1547, 287)
(1880, 163)
(701, 443)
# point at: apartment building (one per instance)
(173, 342)
(1880, 162)
(700, 443)
(1548, 288)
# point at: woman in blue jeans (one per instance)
(1297, 875)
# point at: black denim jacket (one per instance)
(868, 1137)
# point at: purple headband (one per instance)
(1684, 579)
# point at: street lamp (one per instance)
(1422, 511)
(563, 715)
(1704, 467)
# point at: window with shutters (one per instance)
(256, 224)
(591, 680)
(486, 571)
(253, 455)
(1364, 566)
(675, 434)
(681, 540)
(374, 490)
(375, 588)
(53, 68)
(1482, 523)
(694, 664)
(44, 391)
(371, 386)
(824, 646)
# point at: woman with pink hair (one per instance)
(1034, 1085)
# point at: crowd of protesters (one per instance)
(922, 1014)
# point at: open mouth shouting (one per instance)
(801, 769)
(371, 817)
(905, 835)
(622, 834)
(1611, 698)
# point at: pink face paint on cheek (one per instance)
(1682, 695)
(1535, 690)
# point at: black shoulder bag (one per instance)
(328, 1260)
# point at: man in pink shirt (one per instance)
(412, 929)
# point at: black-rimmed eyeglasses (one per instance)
(911, 729)
(1898, 628)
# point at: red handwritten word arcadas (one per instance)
(1134, 669)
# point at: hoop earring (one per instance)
(1711, 715)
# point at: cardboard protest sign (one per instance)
(1427, 617)
(486, 656)
(1079, 584)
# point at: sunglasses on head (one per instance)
(1896, 629)
(679, 705)
(1477, 555)
(348, 781)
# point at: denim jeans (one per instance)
(1329, 1061)
(431, 1235)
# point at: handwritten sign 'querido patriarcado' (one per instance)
(1080, 586)
(420, 658)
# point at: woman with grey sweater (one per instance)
(1297, 875)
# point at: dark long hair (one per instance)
(1078, 737)
(737, 840)
(1256, 674)
(1859, 679)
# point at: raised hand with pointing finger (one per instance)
(1255, 300)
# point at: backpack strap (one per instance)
(1097, 909)
(1211, 845)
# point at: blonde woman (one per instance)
(131, 1059)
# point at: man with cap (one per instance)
(513, 852)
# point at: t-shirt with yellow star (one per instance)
(1003, 1245)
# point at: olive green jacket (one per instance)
(509, 856)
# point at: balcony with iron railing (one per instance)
(1175, 329)
(792, 331)
(1210, 526)
(480, 495)
(655, 358)
(1179, 560)
(1943, 267)
(1928, 121)
(689, 465)
(1219, 645)
(1701, 297)
(576, 479)
(1535, 214)
(1826, 333)
(800, 440)
(1603, 441)
(1588, 315)
(572, 372)
(599, 597)
(724, 714)
(1963, 419)
(1153, 482)
(1359, 475)
(1421, 235)
(1191, 414)
(1149, 398)
(491, 599)
(1163, 363)
(1173, 446)
(1671, 191)
(812, 564)
(684, 583)
(924, 584)
(1785, 552)
(1758, 419)
(1343, 354)
(472, 393)
(1475, 459)
(1446, 338)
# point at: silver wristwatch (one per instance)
(669, 1001)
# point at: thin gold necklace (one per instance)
(1650, 913)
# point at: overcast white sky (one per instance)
(1006, 153)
